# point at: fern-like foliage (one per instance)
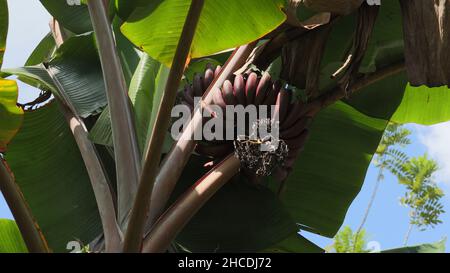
(388, 155)
(346, 241)
(423, 194)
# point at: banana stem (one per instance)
(126, 151)
(95, 169)
(99, 181)
(135, 230)
(175, 218)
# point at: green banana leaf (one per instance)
(72, 17)
(49, 170)
(382, 99)
(73, 73)
(101, 132)
(43, 52)
(421, 105)
(424, 105)
(146, 90)
(438, 247)
(330, 172)
(155, 26)
(10, 238)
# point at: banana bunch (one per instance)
(254, 89)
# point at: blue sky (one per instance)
(388, 221)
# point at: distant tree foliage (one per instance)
(423, 195)
(346, 241)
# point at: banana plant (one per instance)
(93, 162)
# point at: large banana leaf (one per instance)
(389, 99)
(382, 99)
(155, 26)
(424, 105)
(101, 133)
(74, 73)
(146, 90)
(43, 51)
(10, 238)
(72, 17)
(49, 170)
(11, 116)
(330, 171)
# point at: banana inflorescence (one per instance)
(254, 88)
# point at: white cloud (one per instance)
(436, 139)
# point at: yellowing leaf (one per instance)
(11, 116)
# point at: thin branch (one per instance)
(31, 233)
(408, 234)
(95, 169)
(369, 206)
(377, 76)
(126, 149)
(177, 158)
(135, 230)
(175, 218)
